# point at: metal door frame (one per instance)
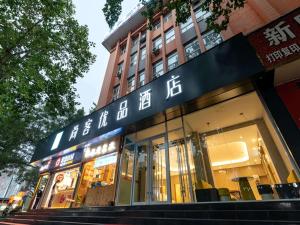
(149, 171)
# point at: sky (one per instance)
(89, 12)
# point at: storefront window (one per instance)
(179, 173)
(61, 189)
(97, 184)
(234, 152)
(229, 151)
(125, 175)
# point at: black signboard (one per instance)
(232, 61)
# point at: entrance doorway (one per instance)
(154, 170)
(150, 174)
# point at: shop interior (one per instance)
(242, 157)
(230, 150)
(61, 189)
(97, 183)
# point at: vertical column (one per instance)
(109, 78)
(178, 40)
(138, 62)
(123, 82)
(148, 71)
(163, 41)
(198, 32)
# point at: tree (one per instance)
(219, 19)
(43, 50)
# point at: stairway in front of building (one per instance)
(229, 213)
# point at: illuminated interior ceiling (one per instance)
(234, 148)
(229, 153)
(238, 110)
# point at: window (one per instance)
(122, 49)
(172, 61)
(116, 92)
(142, 78)
(143, 54)
(192, 49)
(167, 17)
(170, 35)
(187, 25)
(143, 37)
(158, 69)
(120, 69)
(243, 155)
(211, 39)
(130, 84)
(156, 25)
(133, 59)
(134, 42)
(201, 15)
(157, 43)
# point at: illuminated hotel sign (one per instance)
(182, 84)
(90, 152)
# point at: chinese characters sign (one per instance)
(185, 83)
(279, 41)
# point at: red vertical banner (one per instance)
(290, 95)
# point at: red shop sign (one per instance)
(279, 41)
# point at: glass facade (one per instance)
(97, 183)
(61, 189)
(229, 151)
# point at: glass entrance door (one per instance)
(150, 182)
(158, 164)
(140, 184)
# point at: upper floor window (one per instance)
(211, 39)
(120, 69)
(156, 25)
(158, 69)
(157, 43)
(172, 61)
(116, 92)
(192, 49)
(130, 84)
(187, 25)
(134, 42)
(142, 78)
(122, 49)
(143, 54)
(167, 17)
(170, 35)
(201, 15)
(143, 37)
(133, 59)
